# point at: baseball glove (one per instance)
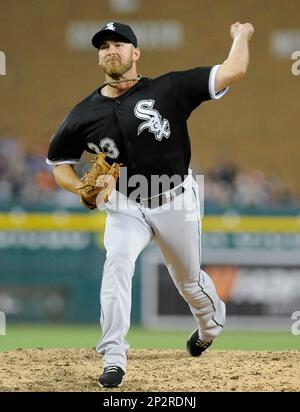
(98, 182)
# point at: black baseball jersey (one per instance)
(145, 129)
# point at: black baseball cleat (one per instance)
(112, 377)
(195, 345)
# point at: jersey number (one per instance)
(107, 146)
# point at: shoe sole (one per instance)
(118, 385)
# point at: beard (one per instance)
(115, 69)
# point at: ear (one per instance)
(136, 54)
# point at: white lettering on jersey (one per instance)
(106, 145)
(93, 147)
(109, 147)
(154, 122)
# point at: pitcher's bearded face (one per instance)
(115, 58)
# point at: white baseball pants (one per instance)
(175, 227)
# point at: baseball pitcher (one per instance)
(137, 128)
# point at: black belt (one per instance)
(163, 198)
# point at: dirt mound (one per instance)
(151, 370)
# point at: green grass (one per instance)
(79, 336)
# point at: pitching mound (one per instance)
(151, 370)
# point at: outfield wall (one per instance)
(51, 265)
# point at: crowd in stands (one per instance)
(227, 186)
(26, 179)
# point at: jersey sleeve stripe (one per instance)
(61, 162)
(212, 82)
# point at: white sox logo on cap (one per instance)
(110, 26)
(123, 31)
(154, 122)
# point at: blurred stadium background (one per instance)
(247, 147)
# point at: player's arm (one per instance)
(67, 178)
(235, 66)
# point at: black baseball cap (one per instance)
(121, 30)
